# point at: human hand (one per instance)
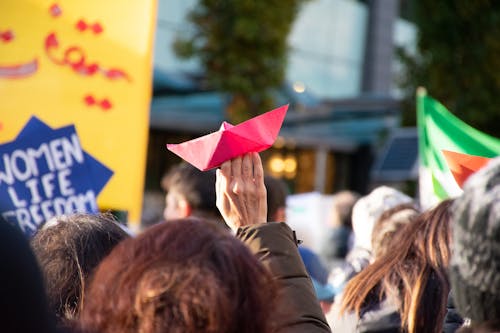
(241, 193)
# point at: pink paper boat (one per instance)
(462, 166)
(253, 135)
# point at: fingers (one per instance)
(258, 171)
(236, 175)
(222, 181)
(236, 167)
(241, 194)
(219, 187)
(225, 169)
(223, 175)
(242, 172)
(247, 168)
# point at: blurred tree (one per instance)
(242, 46)
(458, 60)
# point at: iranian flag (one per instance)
(438, 130)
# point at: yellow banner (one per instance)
(87, 63)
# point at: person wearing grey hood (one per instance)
(365, 213)
(475, 263)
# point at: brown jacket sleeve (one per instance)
(275, 246)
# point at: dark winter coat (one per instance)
(275, 245)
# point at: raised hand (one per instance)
(241, 194)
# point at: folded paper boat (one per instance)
(462, 166)
(253, 135)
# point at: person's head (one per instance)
(390, 222)
(184, 276)
(343, 203)
(23, 304)
(68, 249)
(277, 192)
(190, 192)
(368, 209)
(412, 272)
(475, 264)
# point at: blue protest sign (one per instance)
(37, 130)
(44, 173)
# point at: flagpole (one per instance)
(421, 91)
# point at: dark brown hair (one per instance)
(182, 276)
(276, 195)
(195, 186)
(68, 250)
(413, 270)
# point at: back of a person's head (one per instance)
(427, 237)
(184, 276)
(23, 304)
(413, 271)
(343, 203)
(195, 186)
(475, 265)
(369, 208)
(338, 241)
(277, 192)
(68, 249)
(389, 223)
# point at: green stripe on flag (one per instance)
(439, 129)
(439, 190)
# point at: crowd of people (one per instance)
(225, 260)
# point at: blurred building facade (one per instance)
(340, 84)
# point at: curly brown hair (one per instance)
(182, 276)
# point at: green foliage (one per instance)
(242, 46)
(458, 61)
